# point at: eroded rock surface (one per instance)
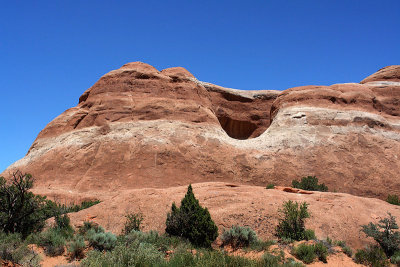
(336, 215)
(138, 127)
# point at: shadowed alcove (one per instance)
(236, 128)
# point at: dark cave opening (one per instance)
(237, 129)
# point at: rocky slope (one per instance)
(139, 127)
(336, 215)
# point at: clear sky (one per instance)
(52, 51)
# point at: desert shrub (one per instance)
(145, 254)
(384, 235)
(87, 226)
(286, 241)
(340, 243)
(15, 250)
(290, 262)
(270, 260)
(346, 249)
(151, 237)
(134, 255)
(309, 183)
(53, 242)
(395, 259)
(261, 245)
(77, 207)
(309, 234)
(20, 210)
(291, 221)
(393, 199)
(321, 251)
(102, 241)
(133, 222)
(239, 236)
(161, 242)
(191, 221)
(63, 225)
(76, 247)
(305, 253)
(371, 256)
(217, 258)
(182, 257)
(270, 186)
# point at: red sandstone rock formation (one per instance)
(139, 127)
(387, 74)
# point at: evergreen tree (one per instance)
(383, 233)
(291, 223)
(191, 221)
(20, 210)
(309, 183)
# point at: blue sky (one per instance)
(52, 51)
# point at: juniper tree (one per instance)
(384, 235)
(191, 221)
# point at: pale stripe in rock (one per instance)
(289, 129)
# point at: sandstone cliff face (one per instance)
(139, 127)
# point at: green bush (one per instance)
(77, 207)
(102, 241)
(291, 221)
(239, 236)
(143, 254)
(371, 256)
(210, 258)
(87, 226)
(15, 250)
(138, 252)
(395, 259)
(133, 222)
(76, 247)
(261, 245)
(286, 241)
(305, 253)
(135, 255)
(161, 242)
(53, 242)
(270, 260)
(20, 210)
(309, 183)
(191, 221)
(270, 186)
(309, 234)
(384, 235)
(63, 224)
(151, 237)
(322, 251)
(393, 199)
(340, 243)
(346, 249)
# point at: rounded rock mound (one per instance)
(387, 74)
